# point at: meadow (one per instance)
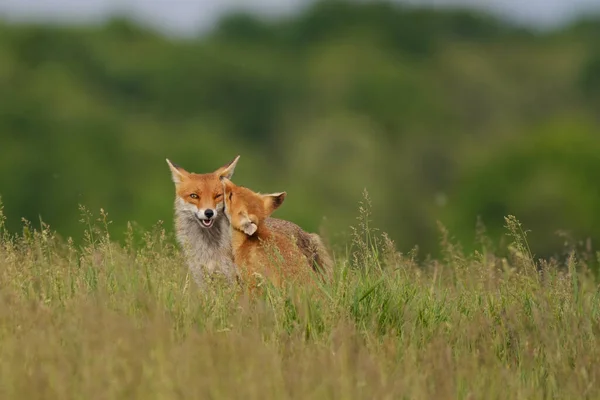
(96, 318)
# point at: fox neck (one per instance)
(206, 249)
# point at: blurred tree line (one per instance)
(440, 115)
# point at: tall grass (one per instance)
(125, 321)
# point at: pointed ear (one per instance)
(273, 201)
(227, 170)
(179, 174)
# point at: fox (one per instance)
(254, 236)
(202, 229)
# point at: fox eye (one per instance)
(218, 196)
(194, 196)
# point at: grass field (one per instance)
(124, 321)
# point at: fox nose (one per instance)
(209, 213)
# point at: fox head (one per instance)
(201, 194)
(247, 210)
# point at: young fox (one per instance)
(276, 249)
(202, 229)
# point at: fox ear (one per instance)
(227, 170)
(250, 228)
(273, 201)
(179, 174)
(249, 225)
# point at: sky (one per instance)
(185, 17)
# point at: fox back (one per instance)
(201, 227)
(310, 244)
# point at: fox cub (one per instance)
(276, 249)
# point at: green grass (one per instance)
(125, 321)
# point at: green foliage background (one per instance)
(440, 115)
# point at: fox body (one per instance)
(201, 227)
(310, 244)
(276, 249)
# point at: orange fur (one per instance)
(257, 248)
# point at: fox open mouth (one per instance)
(206, 223)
